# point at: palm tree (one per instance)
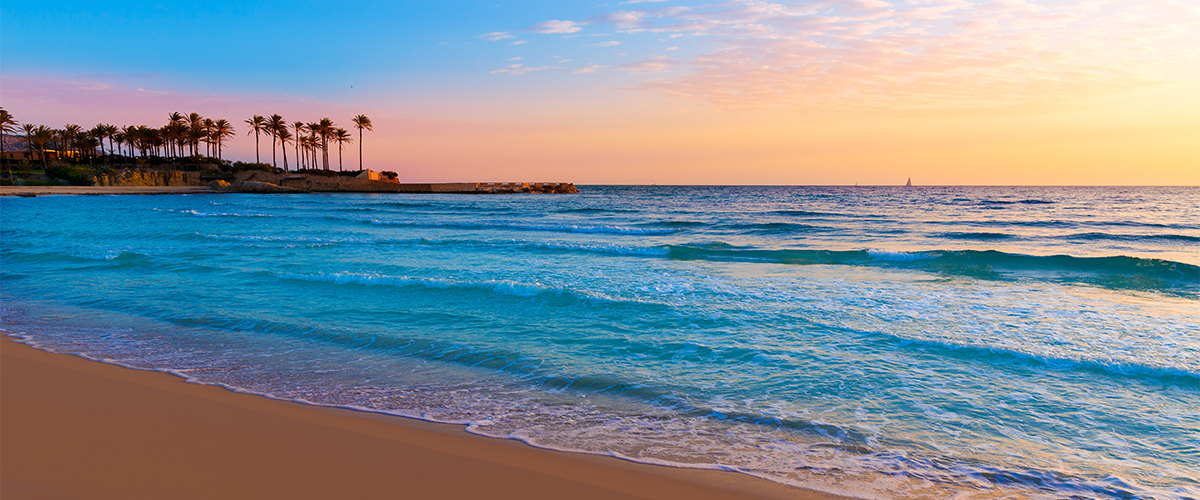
(324, 129)
(274, 124)
(8, 125)
(341, 137)
(176, 129)
(195, 124)
(257, 125)
(314, 129)
(68, 134)
(284, 137)
(28, 128)
(40, 137)
(97, 133)
(222, 130)
(361, 122)
(209, 140)
(299, 126)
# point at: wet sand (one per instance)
(72, 428)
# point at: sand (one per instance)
(71, 428)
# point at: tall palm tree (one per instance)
(41, 137)
(284, 137)
(209, 139)
(222, 130)
(68, 134)
(299, 127)
(274, 124)
(257, 124)
(105, 131)
(195, 124)
(28, 128)
(97, 133)
(8, 125)
(361, 122)
(314, 129)
(176, 125)
(325, 131)
(341, 137)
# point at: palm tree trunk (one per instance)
(360, 149)
(339, 158)
(256, 158)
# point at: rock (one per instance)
(261, 187)
(218, 184)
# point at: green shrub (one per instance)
(75, 175)
(264, 167)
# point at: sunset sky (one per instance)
(1076, 92)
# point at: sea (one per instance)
(878, 342)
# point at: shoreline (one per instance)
(29, 191)
(77, 428)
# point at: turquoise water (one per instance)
(880, 342)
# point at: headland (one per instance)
(275, 181)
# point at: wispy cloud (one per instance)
(657, 64)
(496, 36)
(518, 69)
(519, 42)
(902, 54)
(554, 26)
(589, 69)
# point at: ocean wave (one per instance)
(595, 210)
(975, 236)
(1095, 236)
(514, 244)
(557, 228)
(1016, 202)
(1114, 272)
(775, 228)
(501, 287)
(197, 213)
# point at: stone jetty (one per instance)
(258, 181)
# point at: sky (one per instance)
(841, 92)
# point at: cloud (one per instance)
(554, 26)
(515, 59)
(903, 54)
(640, 1)
(658, 64)
(496, 36)
(519, 42)
(589, 69)
(672, 48)
(518, 69)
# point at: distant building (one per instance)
(16, 147)
(378, 176)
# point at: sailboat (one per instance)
(909, 183)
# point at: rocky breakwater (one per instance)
(523, 187)
(318, 183)
(148, 178)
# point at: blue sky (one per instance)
(826, 91)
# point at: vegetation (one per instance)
(175, 145)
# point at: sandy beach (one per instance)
(74, 428)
